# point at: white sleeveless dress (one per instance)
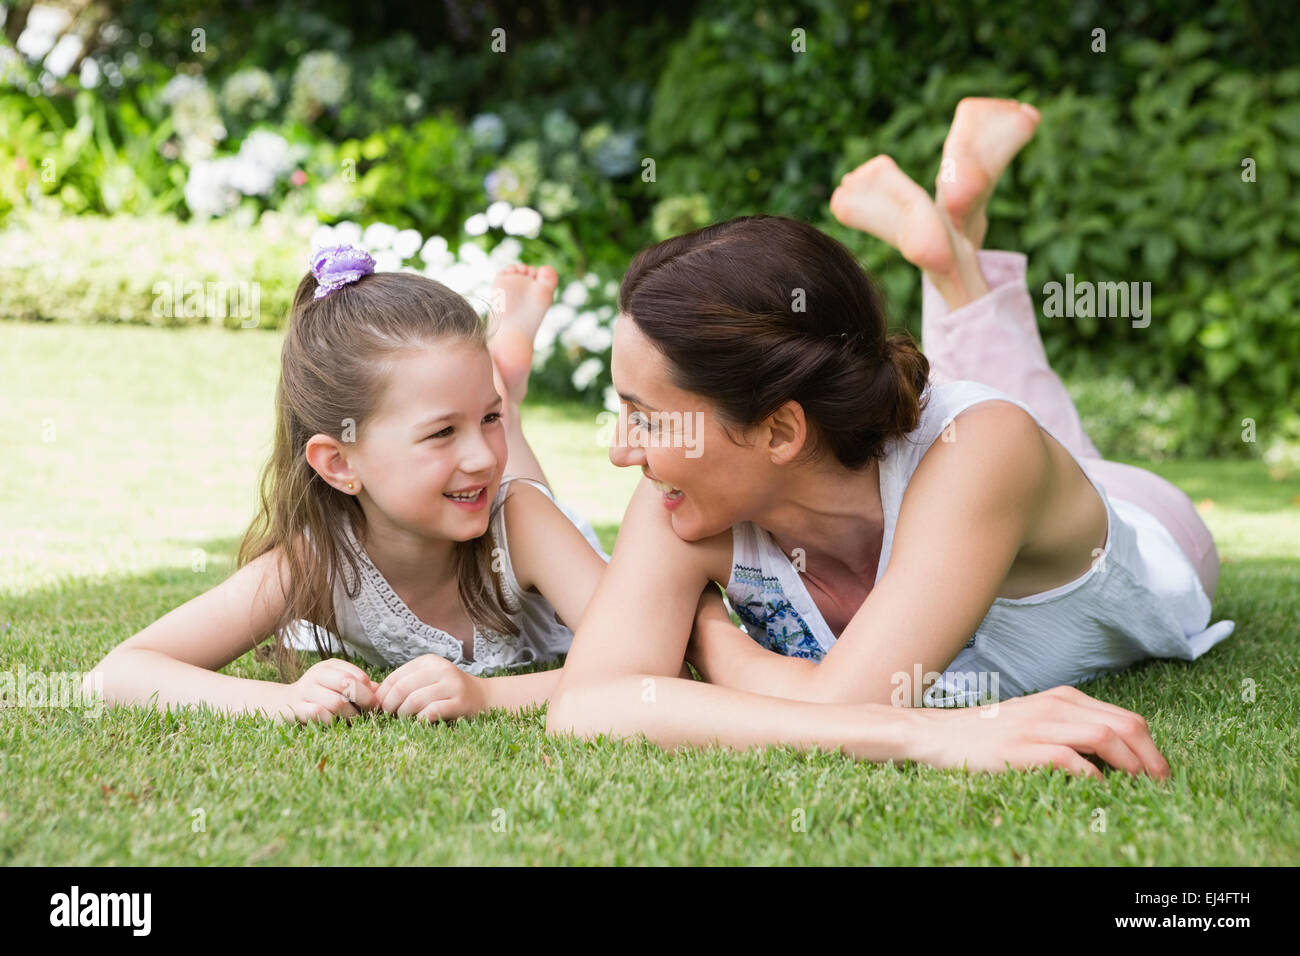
(1141, 598)
(377, 626)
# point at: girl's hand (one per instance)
(1055, 727)
(332, 688)
(431, 688)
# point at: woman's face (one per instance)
(707, 481)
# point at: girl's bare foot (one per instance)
(880, 199)
(520, 297)
(985, 135)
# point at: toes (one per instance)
(548, 276)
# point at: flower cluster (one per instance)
(514, 221)
(215, 186)
(250, 92)
(320, 83)
(578, 323)
(194, 116)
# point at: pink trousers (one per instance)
(995, 340)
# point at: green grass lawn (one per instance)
(132, 457)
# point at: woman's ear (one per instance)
(787, 432)
(326, 456)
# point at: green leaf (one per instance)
(1215, 335)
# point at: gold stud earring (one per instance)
(349, 486)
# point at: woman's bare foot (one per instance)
(880, 199)
(985, 135)
(520, 297)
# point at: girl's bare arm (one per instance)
(174, 660)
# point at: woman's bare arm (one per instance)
(726, 655)
(618, 680)
(967, 510)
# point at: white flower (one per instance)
(555, 321)
(208, 191)
(476, 224)
(605, 313)
(580, 332)
(386, 260)
(612, 401)
(611, 289)
(379, 235)
(473, 255)
(543, 342)
(407, 243)
(506, 251)
(575, 293)
(434, 250)
(599, 340)
(591, 280)
(347, 233)
(497, 213)
(323, 237)
(268, 150)
(248, 176)
(587, 372)
(181, 86)
(523, 221)
(587, 333)
(459, 278)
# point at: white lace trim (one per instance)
(398, 635)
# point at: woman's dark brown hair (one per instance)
(761, 310)
(332, 379)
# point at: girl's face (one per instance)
(707, 481)
(432, 455)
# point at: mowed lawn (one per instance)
(132, 456)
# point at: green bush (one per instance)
(126, 269)
(746, 106)
(1136, 173)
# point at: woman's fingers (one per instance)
(1067, 705)
(1097, 738)
(1132, 728)
(1058, 758)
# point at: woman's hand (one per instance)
(1055, 727)
(431, 688)
(333, 688)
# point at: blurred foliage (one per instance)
(404, 113)
(144, 270)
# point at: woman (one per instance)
(885, 534)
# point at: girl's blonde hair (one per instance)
(332, 378)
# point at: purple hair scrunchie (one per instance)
(338, 266)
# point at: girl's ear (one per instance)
(326, 456)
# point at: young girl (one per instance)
(385, 519)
